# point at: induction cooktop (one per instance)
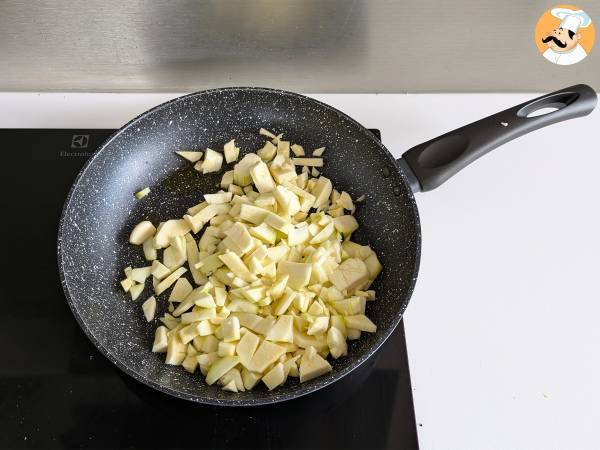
(57, 390)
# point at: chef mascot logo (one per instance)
(565, 35)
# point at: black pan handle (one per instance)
(430, 164)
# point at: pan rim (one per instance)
(233, 402)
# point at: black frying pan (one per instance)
(100, 210)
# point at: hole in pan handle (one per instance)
(430, 164)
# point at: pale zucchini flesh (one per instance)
(261, 279)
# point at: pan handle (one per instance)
(430, 164)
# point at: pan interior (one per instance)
(101, 210)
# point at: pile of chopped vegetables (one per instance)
(276, 285)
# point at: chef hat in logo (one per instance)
(570, 19)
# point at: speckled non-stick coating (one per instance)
(101, 210)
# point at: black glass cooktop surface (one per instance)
(57, 390)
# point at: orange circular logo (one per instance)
(565, 35)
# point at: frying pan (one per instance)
(100, 210)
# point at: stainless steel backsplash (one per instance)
(309, 46)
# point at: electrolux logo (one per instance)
(80, 141)
(79, 145)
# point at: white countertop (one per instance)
(502, 330)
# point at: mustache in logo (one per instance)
(555, 40)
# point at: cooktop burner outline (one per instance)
(57, 390)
